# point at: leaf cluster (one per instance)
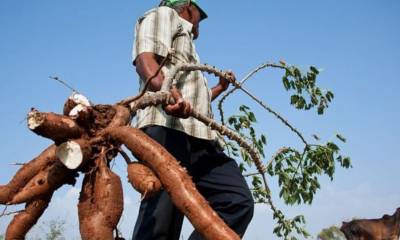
(298, 171)
(306, 94)
(243, 123)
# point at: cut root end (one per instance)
(73, 154)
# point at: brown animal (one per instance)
(385, 228)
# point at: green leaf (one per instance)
(243, 108)
(346, 162)
(320, 109)
(263, 139)
(286, 83)
(252, 117)
(294, 99)
(314, 70)
(341, 138)
(232, 120)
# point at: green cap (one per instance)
(172, 3)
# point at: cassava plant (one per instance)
(87, 137)
(297, 171)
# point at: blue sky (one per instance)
(88, 44)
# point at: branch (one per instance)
(152, 99)
(17, 164)
(270, 110)
(63, 83)
(231, 135)
(188, 67)
(248, 76)
(280, 151)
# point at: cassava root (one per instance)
(26, 173)
(176, 182)
(59, 128)
(23, 221)
(47, 180)
(143, 179)
(100, 203)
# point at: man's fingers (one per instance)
(173, 108)
(187, 109)
(175, 94)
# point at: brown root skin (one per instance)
(83, 117)
(23, 222)
(121, 118)
(176, 182)
(143, 179)
(53, 126)
(74, 100)
(68, 106)
(46, 181)
(100, 204)
(26, 173)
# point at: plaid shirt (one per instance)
(159, 30)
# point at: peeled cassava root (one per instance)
(176, 182)
(26, 173)
(23, 221)
(143, 179)
(100, 203)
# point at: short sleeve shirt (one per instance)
(158, 31)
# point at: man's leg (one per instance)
(158, 218)
(219, 180)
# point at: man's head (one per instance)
(188, 10)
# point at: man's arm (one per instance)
(147, 65)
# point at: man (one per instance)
(174, 25)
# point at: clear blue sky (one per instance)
(88, 43)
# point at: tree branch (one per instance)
(63, 83)
(247, 77)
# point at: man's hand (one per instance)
(181, 108)
(224, 82)
(222, 85)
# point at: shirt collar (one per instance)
(187, 26)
